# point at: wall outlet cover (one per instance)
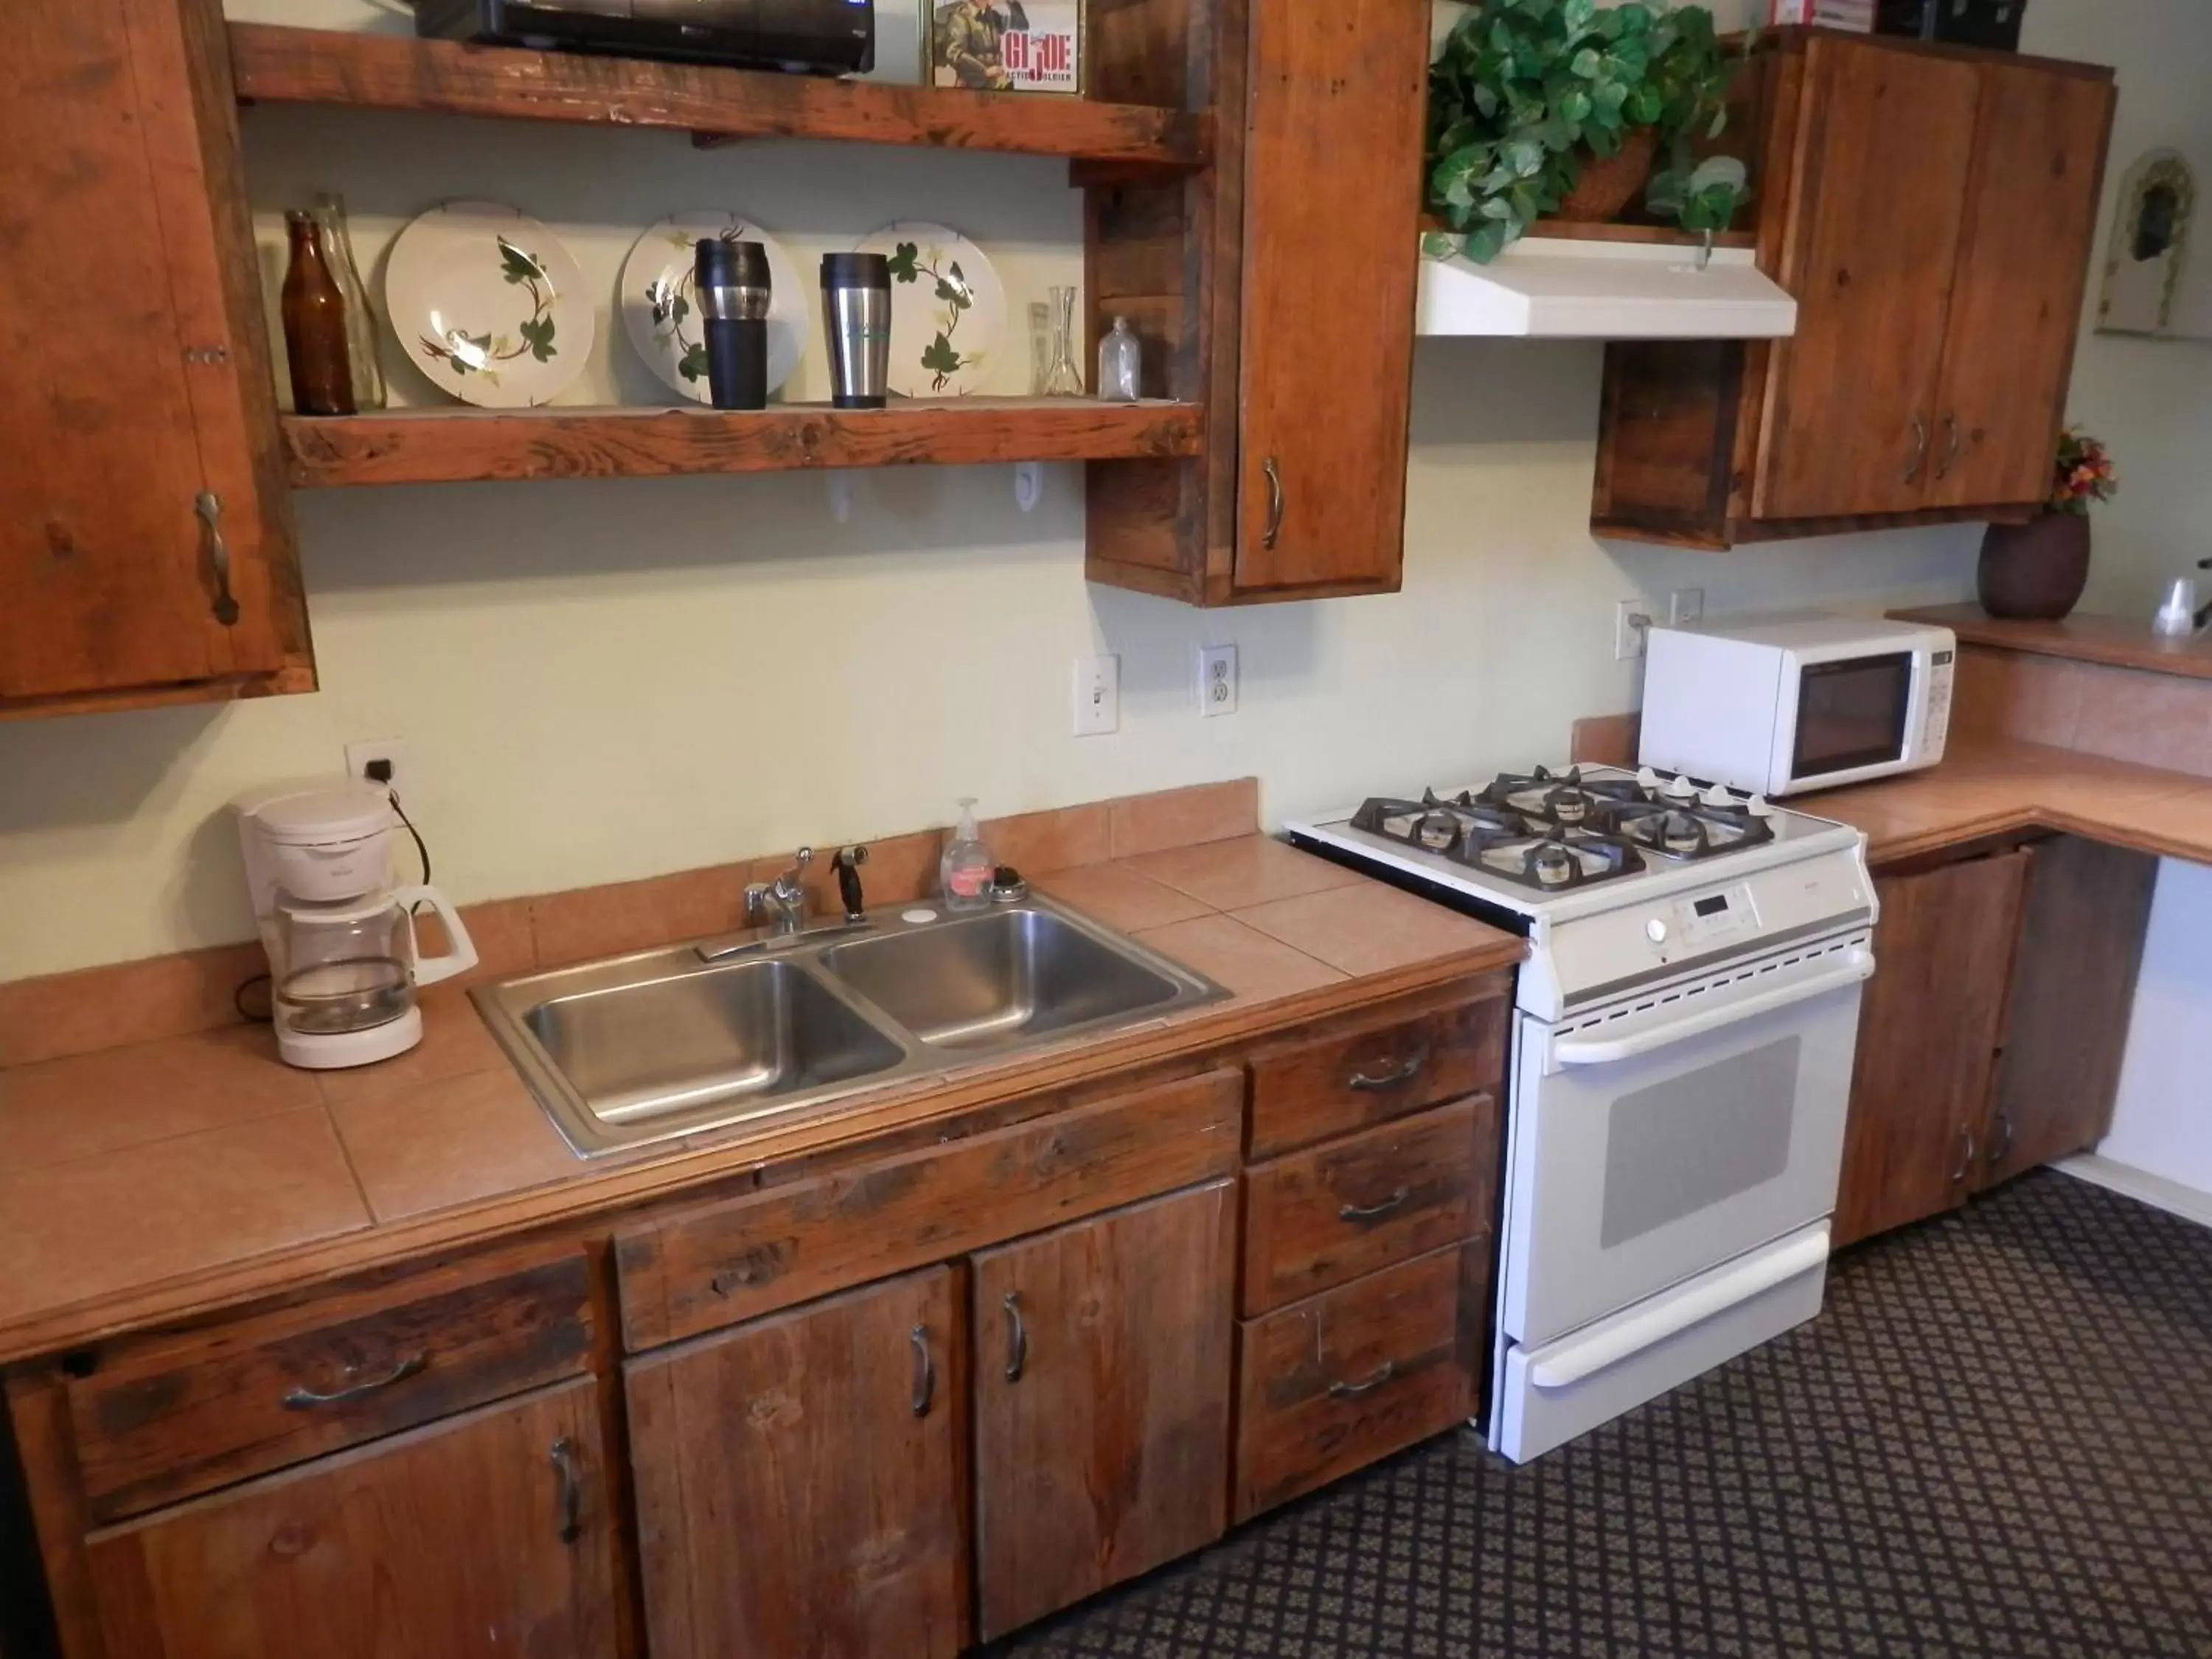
(1685, 607)
(1216, 680)
(1098, 696)
(1631, 625)
(392, 749)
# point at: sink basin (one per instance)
(984, 981)
(723, 1033)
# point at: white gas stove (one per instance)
(1682, 1067)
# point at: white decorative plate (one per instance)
(489, 304)
(662, 314)
(948, 309)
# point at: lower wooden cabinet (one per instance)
(798, 1480)
(489, 1533)
(1102, 1402)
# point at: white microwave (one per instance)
(1780, 705)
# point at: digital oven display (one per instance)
(1713, 905)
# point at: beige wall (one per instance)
(605, 680)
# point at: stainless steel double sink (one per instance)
(703, 1038)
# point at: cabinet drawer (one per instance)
(699, 1269)
(1329, 1385)
(161, 1417)
(1388, 1067)
(1319, 1218)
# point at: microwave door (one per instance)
(1852, 719)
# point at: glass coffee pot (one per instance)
(351, 965)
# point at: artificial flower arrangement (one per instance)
(2084, 472)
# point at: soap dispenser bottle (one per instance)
(967, 867)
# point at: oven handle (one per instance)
(1593, 1354)
(1604, 1051)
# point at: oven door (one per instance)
(1659, 1138)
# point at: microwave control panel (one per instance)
(1937, 727)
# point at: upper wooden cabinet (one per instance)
(1280, 291)
(146, 548)
(1932, 210)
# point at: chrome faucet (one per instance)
(780, 903)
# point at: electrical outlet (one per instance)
(1685, 607)
(393, 751)
(1217, 679)
(1632, 623)
(1098, 696)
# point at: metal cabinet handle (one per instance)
(925, 1370)
(1374, 1212)
(1966, 1157)
(563, 1457)
(1018, 1336)
(1919, 449)
(1274, 502)
(209, 505)
(1353, 1390)
(301, 1400)
(1397, 1077)
(2001, 1148)
(1954, 439)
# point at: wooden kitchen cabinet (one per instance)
(1928, 1031)
(799, 1480)
(1301, 255)
(1102, 1402)
(487, 1533)
(137, 402)
(1932, 210)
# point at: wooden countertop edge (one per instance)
(1899, 849)
(635, 1182)
(2128, 644)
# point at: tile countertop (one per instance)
(1996, 788)
(149, 1182)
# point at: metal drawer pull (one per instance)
(1018, 1336)
(563, 1459)
(1966, 1157)
(1954, 440)
(1274, 502)
(925, 1370)
(1374, 1212)
(1397, 1077)
(1919, 449)
(1353, 1390)
(301, 1400)
(209, 505)
(2001, 1148)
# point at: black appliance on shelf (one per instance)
(807, 37)
(1962, 22)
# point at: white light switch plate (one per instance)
(1217, 679)
(1098, 696)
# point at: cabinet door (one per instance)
(137, 369)
(1928, 1042)
(485, 1534)
(2016, 306)
(1874, 236)
(798, 1480)
(1102, 1402)
(1331, 245)
(2074, 988)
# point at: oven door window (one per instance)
(1851, 715)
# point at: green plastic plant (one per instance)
(1523, 90)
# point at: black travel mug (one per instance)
(733, 283)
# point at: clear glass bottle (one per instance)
(1120, 364)
(314, 325)
(1065, 379)
(1039, 347)
(967, 867)
(367, 374)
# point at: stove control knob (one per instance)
(1758, 807)
(1656, 931)
(1719, 796)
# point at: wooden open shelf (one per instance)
(1573, 230)
(273, 63)
(458, 446)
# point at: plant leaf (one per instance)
(693, 365)
(518, 265)
(902, 262)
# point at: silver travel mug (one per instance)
(856, 313)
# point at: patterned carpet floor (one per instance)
(1996, 1440)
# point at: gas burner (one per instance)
(1572, 800)
(1560, 860)
(1687, 827)
(1458, 829)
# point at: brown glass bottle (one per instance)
(314, 326)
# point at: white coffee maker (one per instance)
(343, 964)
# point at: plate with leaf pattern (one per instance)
(489, 304)
(948, 308)
(661, 313)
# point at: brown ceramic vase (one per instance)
(2035, 571)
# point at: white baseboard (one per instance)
(2188, 1202)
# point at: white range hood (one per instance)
(1556, 288)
